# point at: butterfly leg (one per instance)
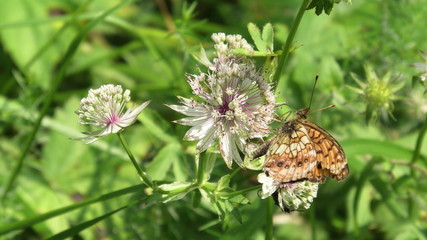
(262, 150)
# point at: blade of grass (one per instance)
(43, 217)
(71, 232)
(54, 86)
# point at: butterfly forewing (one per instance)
(291, 156)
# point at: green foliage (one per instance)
(324, 5)
(52, 52)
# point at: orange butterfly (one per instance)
(303, 151)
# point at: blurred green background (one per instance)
(147, 47)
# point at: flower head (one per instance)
(289, 196)
(104, 108)
(237, 102)
(379, 93)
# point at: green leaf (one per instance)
(223, 182)
(175, 187)
(236, 214)
(360, 213)
(256, 37)
(264, 43)
(161, 164)
(196, 199)
(59, 76)
(23, 42)
(374, 147)
(268, 37)
(155, 125)
(389, 197)
(321, 5)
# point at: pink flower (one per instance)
(104, 108)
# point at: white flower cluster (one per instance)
(237, 102)
(290, 196)
(104, 108)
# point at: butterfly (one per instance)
(303, 151)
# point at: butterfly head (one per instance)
(303, 113)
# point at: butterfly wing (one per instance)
(291, 156)
(331, 159)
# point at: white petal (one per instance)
(206, 141)
(224, 145)
(198, 132)
(189, 111)
(229, 150)
(203, 58)
(113, 129)
(131, 115)
(192, 121)
(268, 185)
(236, 144)
(93, 136)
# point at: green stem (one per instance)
(243, 191)
(234, 172)
(269, 219)
(289, 40)
(313, 222)
(418, 145)
(142, 174)
(200, 169)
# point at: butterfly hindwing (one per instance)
(331, 159)
(291, 156)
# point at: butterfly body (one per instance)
(303, 151)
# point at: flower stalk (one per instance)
(142, 174)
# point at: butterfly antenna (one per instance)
(318, 110)
(312, 90)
